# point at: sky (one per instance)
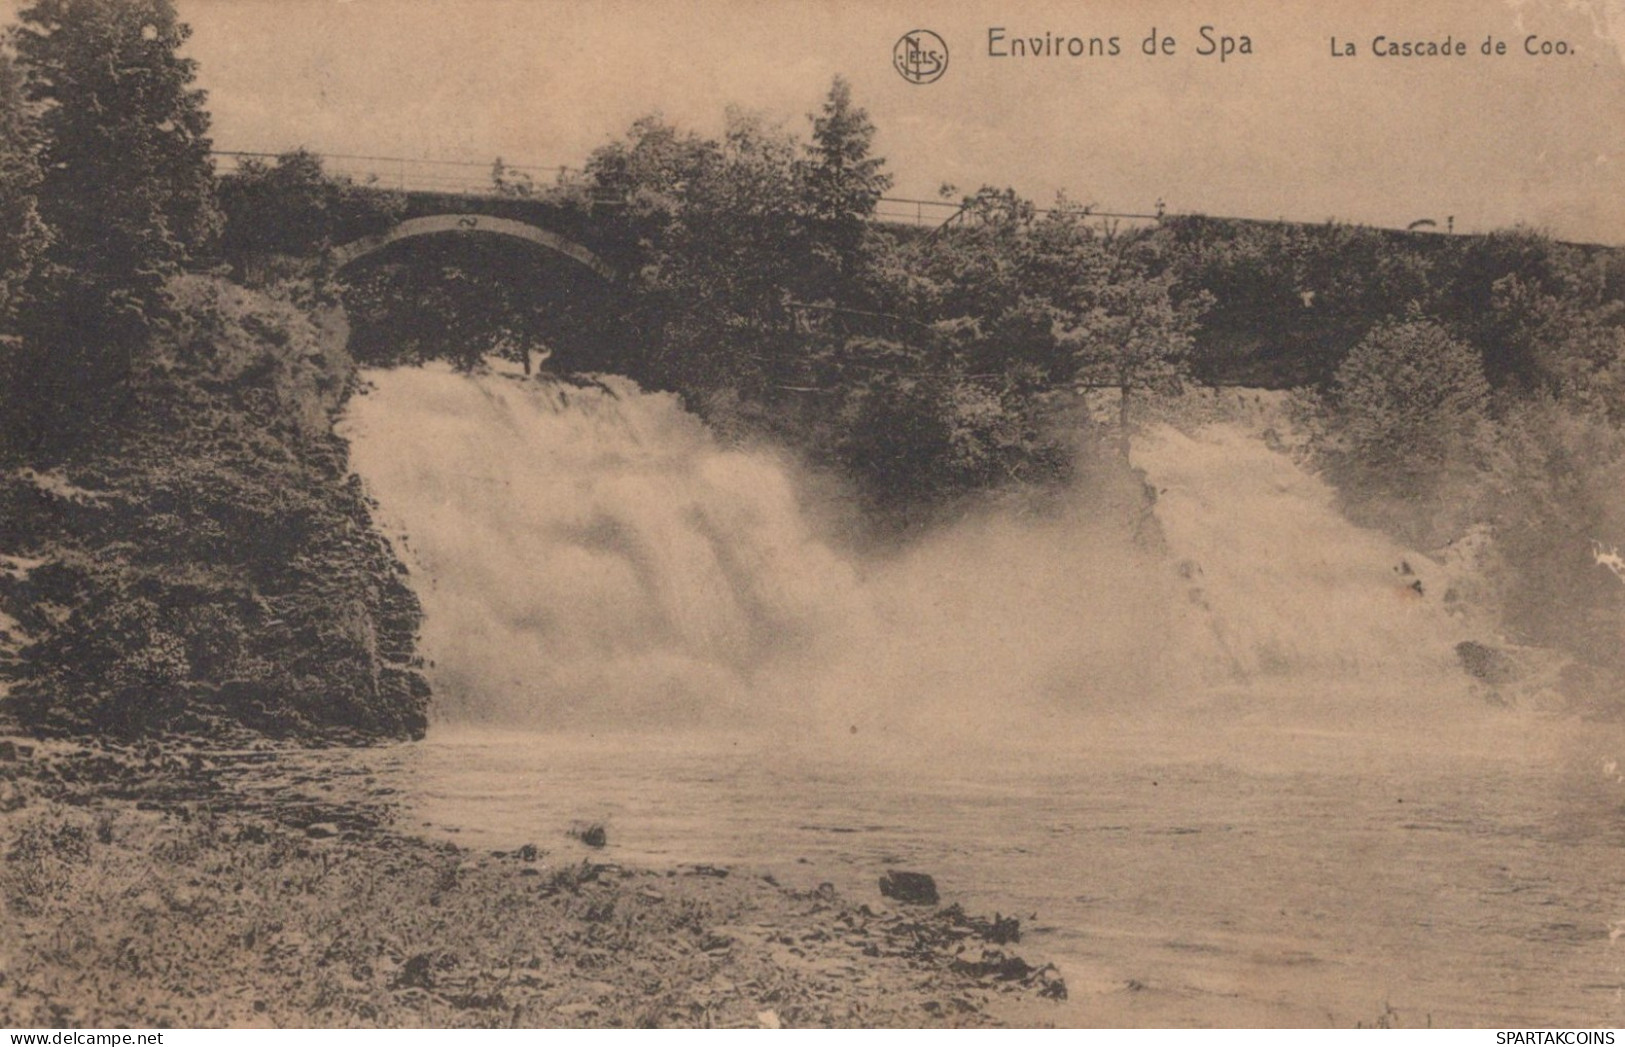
(1286, 131)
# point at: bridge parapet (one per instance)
(556, 207)
(466, 180)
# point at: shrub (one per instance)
(1558, 491)
(294, 208)
(1408, 407)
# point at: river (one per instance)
(1236, 781)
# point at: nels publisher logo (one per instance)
(920, 56)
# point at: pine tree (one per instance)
(127, 191)
(844, 184)
(128, 186)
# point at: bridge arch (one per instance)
(439, 224)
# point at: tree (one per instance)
(1472, 305)
(844, 181)
(1409, 404)
(294, 207)
(23, 238)
(511, 181)
(1567, 323)
(1131, 335)
(128, 186)
(992, 284)
(651, 168)
(127, 191)
(721, 230)
(843, 185)
(1044, 302)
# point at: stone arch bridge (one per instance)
(471, 222)
(584, 241)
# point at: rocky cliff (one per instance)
(212, 567)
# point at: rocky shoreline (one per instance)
(171, 886)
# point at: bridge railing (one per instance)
(475, 178)
(413, 176)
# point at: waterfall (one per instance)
(591, 555)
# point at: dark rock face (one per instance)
(911, 888)
(593, 835)
(212, 566)
(1486, 663)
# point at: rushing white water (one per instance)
(1282, 588)
(588, 553)
(1238, 774)
(593, 556)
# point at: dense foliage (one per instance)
(128, 185)
(1289, 302)
(923, 367)
(127, 192)
(1408, 404)
(182, 547)
(215, 564)
(293, 209)
(23, 234)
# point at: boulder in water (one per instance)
(911, 888)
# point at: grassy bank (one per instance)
(164, 887)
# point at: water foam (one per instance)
(1278, 582)
(588, 552)
(594, 556)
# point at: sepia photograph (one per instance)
(704, 514)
